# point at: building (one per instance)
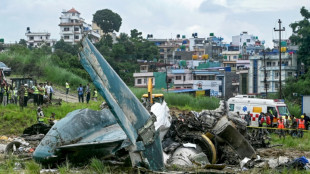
(248, 44)
(230, 59)
(257, 76)
(38, 39)
(197, 45)
(73, 27)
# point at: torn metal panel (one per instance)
(81, 129)
(127, 109)
(234, 138)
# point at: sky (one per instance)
(162, 18)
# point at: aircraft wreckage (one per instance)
(127, 127)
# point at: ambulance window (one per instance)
(272, 110)
(231, 107)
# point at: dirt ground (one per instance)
(67, 98)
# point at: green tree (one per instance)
(22, 42)
(68, 48)
(301, 37)
(107, 20)
(136, 35)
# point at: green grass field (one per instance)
(13, 120)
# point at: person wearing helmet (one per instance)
(281, 127)
(301, 126)
(26, 95)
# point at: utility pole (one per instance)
(280, 82)
(265, 74)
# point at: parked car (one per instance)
(6, 69)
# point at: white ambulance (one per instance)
(243, 104)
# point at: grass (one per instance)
(13, 120)
(302, 144)
(39, 66)
(182, 101)
(32, 167)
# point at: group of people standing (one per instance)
(295, 125)
(83, 91)
(7, 94)
(41, 94)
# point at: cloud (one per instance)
(162, 18)
(209, 6)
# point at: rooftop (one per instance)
(72, 10)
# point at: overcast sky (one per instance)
(162, 18)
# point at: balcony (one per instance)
(278, 68)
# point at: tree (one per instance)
(62, 45)
(301, 37)
(136, 35)
(107, 20)
(22, 42)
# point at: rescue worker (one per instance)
(5, 96)
(26, 95)
(281, 127)
(1, 93)
(301, 126)
(259, 118)
(80, 93)
(287, 122)
(87, 93)
(247, 118)
(51, 93)
(35, 94)
(15, 96)
(10, 94)
(40, 115)
(21, 93)
(265, 121)
(41, 93)
(52, 119)
(67, 87)
(293, 126)
(95, 94)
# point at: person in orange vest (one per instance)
(301, 126)
(281, 127)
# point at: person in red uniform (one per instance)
(301, 126)
(281, 127)
(265, 121)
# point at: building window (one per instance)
(66, 37)
(31, 44)
(268, 64)
(178, 77)
(235, 57)
(276, 85)
(290, 74)
(248, 40)
(139, 81)
(72, 21)
(276, 74)
(76, 37)
(73, 14)
(273, 63)
(66, 29)
(76, 29)
(31, 38)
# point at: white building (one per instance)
(38, 39)
(256, 71)
(73, 27)
(244, 39)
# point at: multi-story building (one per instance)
(248, 44)
(197, 45)
(257, 75)
(38, 39)
(73, 27)
(214, 46)
(230, 59)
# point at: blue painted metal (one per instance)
(81, 129)
(127, 109)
